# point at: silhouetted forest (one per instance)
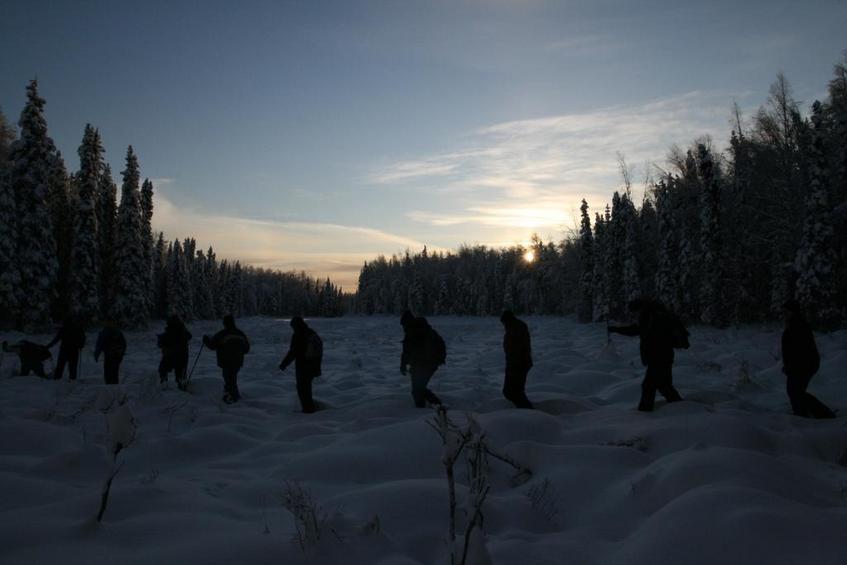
(67, 246)
(718, 237)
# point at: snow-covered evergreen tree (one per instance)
(600, 302)
(160, 278)
(62, 205)
(84, 283)
(32, 157)
(710, 292)
(416, 299)
(585, 308)
(614, 255)
(815, 262)
(107, 221)
(131, 302)
(667, 291)
(9, 281)
(202, 295)
(147, 240)
(179, 284)
(631, 276)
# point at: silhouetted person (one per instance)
(306, 352)
(657, 329)
(800, 362)
(231, 346)
(72, 338)
(31, 355)
(518, 348)
(174, 345)
(112, 344)
(423, 352)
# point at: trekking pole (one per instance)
(196, 359)
(79, 364)
(608, 333)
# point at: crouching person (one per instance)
(231, 346)
(31, 355)
(306, 351)
(112, 344)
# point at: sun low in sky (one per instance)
(315, 135)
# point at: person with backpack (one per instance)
(231, 346)
(518, 348)
(112, 344)
(660, 332)
(800, 362)
(72, 338)
(31, 355)
(423, 352)
(174, 345)
(306, 352)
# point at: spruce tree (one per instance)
(710, 292)
(160, 278)
(585, 308)
(147, 239)
(84, 280)
(815, 261)
(61, 202)
(131, 303)
(32, 158)
(631, 277)
(179, 284)
(600, 302)
(107, 221)
(667, 290)
(9, 276)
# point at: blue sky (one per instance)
(314, 135)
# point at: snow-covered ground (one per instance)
(728, 476)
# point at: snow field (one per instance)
(727, 476)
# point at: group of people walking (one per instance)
(423, 351)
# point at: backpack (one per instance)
(314, 348)
(679, 335)
(437, 348)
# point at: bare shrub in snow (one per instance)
(454, 439)
(120, 433)
(309, 518)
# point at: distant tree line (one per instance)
(720, 239)
(68, 247)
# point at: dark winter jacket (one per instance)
(423, 348)
(71, 336)
(297, 353)
(655, 327)
(112, 343)
(800, 357)
(517, 346)
(231, 346)
(174, 342)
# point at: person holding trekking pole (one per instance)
(306, 351)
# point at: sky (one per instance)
(316, 135)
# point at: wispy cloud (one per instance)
(532, 172)
(321, 249)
